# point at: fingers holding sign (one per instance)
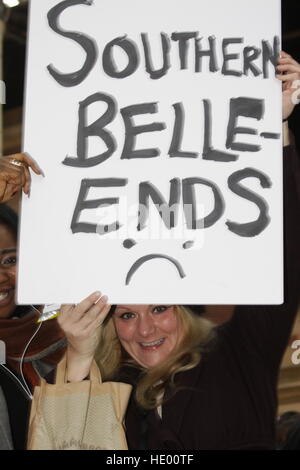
(15, 175)
(289, 75)
(82, 326)
(81, 323)
(289, 68)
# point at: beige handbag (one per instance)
(79, 415)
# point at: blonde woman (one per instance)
(189, 391)
(185, 395)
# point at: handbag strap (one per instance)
(61, 372)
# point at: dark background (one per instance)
(15, 47)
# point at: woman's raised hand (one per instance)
(289, 73)
(81, 324)
(15, 175)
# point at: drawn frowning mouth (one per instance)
(138, 263)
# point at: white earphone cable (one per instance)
(24, 352)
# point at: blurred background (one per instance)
(13, 29)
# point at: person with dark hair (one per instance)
(18, 324)
(192, 392)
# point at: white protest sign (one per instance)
(157, 125)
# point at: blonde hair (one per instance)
(110, 356)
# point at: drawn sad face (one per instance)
(169, 217)
(167, 214)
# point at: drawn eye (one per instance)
(188, 244)
(129, 243)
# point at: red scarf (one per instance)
(48, 345)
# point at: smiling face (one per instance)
(7, 272)
(149, 333)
